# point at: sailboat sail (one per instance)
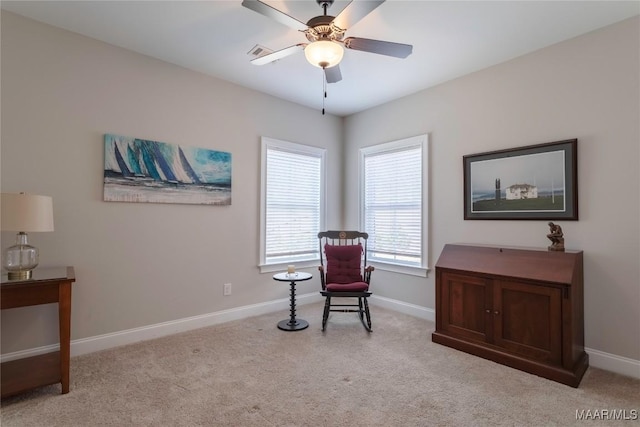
(187, 168)
(133, 161)
(162, 163)
(147, 159)
(121, 163)
(178, 170)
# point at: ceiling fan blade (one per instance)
(278, 54)
(333, 74)
(275, 14)
(398, 50)
(354, 12)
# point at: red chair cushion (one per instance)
(348, 287)
(343, 264)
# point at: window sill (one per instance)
(402, 269)
(300, 265)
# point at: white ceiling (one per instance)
(449, 38)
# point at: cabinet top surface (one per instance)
(524, 263)
(43, 275)
(513, 248)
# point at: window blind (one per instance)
(293, 206)
(393, 205)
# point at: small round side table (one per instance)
(292, 324)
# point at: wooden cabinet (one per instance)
(519, 307)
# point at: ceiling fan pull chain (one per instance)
(324, 90)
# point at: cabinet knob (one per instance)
(488, 311)
(496, 312)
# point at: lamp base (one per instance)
(19, 275)
(20, 258)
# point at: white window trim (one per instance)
(423, 142)
(270, 143)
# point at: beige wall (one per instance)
(138, 264)
(586, 88)
(142, 264)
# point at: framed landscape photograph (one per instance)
(536, 182)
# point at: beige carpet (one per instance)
(249, 373)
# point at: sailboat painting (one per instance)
(139, 170)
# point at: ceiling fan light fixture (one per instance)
(324, 53)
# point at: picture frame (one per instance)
(144, 171)
(535, 182)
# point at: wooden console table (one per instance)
(48, 285)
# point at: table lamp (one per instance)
(24, 213)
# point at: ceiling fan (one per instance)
(325, 34)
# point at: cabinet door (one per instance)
(465, 301)
(528, 320)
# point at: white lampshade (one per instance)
(324, 53)
(22, 213)
(26, 212)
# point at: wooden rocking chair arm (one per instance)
(322, 280)
(367, 273)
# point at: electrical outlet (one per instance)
(226, 289)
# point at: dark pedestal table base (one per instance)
(298, 325)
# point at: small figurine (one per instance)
(556, 237)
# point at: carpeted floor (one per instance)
(249, 373)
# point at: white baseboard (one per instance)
(404, 307)
(102, 342)
(611, 362)
(597, 359)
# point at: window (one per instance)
(292, 205)
(394, 204)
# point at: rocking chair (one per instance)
(344, 273)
